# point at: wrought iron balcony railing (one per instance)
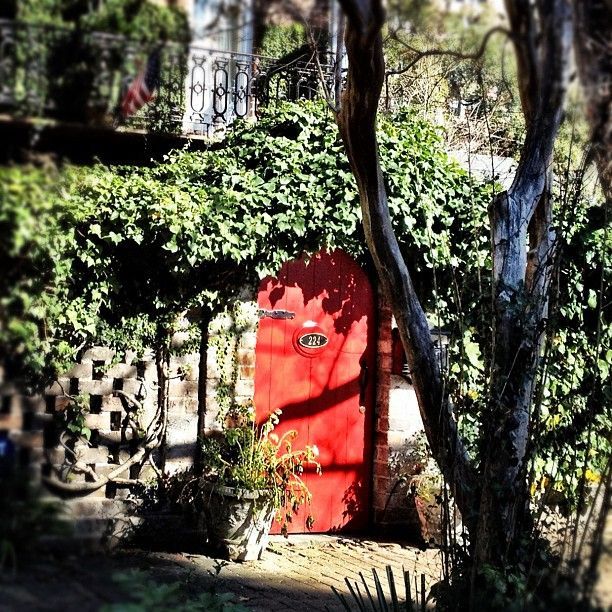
(80, 77)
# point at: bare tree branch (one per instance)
(420, 54)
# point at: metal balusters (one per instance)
(201, 91)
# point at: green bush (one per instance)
(278, 40)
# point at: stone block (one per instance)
(95, 511)
(11, 421)
(149, 370)
(211, 388)
(182, 429)
(243, 400)
(61, 403)
(176, 406)
(30, 439)
(248, 340)
(212, 424)
(93, 455)
(103, 469)
(247, 372)
(108, 437)
(187, 365)
(191, 405)
(96, 387)
(34, 403)
(148, 355)
(111, 403)
(179, 339)
(98, 421)
(39, 421)
(213, 369)
(123, 456)
(130, 357)
(134, 387)
(122, 370)
(244, 387)
(181, 454)
(246, 357)
(7, 388)
(192, 359)
(182, 388)
(80, 370)
(98, 353)
(60, 387)
(183, 405)
(222, 322)
(175, 466)
(55, 456)
(99, 493)
(14, 403)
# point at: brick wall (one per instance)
(399, 456)
(100, 376)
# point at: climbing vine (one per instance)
(116, 256)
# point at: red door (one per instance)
(315, 361)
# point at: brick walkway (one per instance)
(295, 574)
(298, 573)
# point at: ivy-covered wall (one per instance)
(114, 256)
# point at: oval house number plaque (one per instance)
(310, 340)
(313, 340)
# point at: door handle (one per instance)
(363, 384)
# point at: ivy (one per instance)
(278, 40)
(128, 250)
(118, 255)
(136, 19)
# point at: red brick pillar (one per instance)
(381, 476)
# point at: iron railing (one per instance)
(80, 77)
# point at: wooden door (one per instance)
(315, 361)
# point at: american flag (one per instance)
(142, 89)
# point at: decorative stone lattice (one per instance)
(101, 378)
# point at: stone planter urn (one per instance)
(237, 521)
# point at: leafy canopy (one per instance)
(115, 255)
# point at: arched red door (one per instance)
(315, 361)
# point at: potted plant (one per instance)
(250, 476)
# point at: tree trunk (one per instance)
(521, 277)
(357, 124)
(542, 38)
